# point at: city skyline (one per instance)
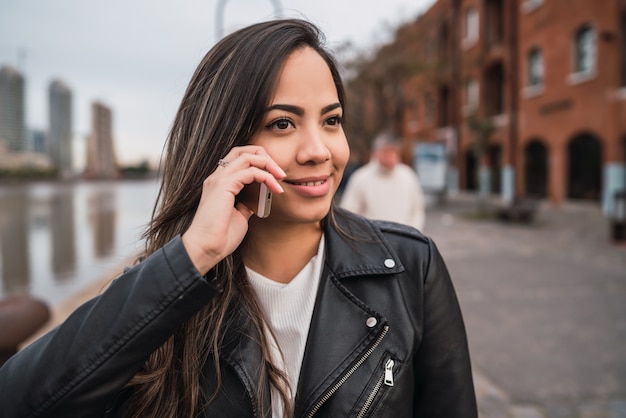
(138, 58)
(22, 146)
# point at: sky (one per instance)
(137, 56)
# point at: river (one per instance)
(57, 238)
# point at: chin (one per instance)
(312, 216)
(306, 213)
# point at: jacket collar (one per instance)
(356, 246)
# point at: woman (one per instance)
(311, 311)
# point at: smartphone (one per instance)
(258, 198)
(265, 202)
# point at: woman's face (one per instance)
(302, 132)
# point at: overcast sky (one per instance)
(137, 56)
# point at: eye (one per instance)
(334, 120)
(280, 124)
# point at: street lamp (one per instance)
(219, 16)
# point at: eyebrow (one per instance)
(300, 111)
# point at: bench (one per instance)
(521, 209)
(20, 317)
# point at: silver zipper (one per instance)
(389, 372)
(386, 378)
(350, 372)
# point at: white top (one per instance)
(392, 195)
(288, 308)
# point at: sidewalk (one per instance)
(544, 308)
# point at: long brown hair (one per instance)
(222, 107)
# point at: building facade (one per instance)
(101, 160)
(12, 109)
(60, 127)
(573, 99)
(528, 97)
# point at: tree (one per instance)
(376, 86)
(482, 127)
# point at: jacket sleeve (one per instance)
(80, 366)
(444, 386)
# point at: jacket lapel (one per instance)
(343, 327)
(338, 337)
(241, 350)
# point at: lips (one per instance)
(307, 183)
(311, 186)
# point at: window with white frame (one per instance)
(471, 26)
(530, 5)
(535, 67)
(471, 94)
(584, 51)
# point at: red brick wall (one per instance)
(566, 108)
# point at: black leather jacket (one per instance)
(386, 340)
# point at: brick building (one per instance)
(528, 97)
(572, 118)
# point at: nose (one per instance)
(313, 149)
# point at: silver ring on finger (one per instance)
(222, 162)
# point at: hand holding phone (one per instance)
(257, 198)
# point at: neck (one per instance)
(279, 252)
(385, 169)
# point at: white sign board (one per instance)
(430, 162)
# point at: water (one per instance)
(57, 238)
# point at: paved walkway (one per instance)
(545, 309)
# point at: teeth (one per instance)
(311, 183)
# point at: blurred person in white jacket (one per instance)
(385, 188)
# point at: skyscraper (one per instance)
(12, 113)
(38, 141)
(101, 162)
(60, 126)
